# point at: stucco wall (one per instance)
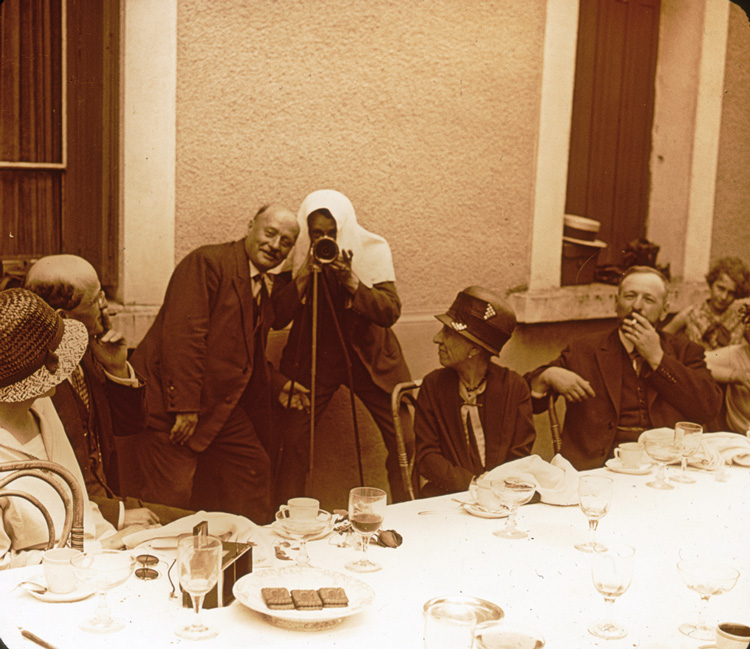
(732, 211)
(424, 114)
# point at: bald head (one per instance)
(70, 284)
(271, 236)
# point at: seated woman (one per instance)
(472, 414)
(39, 350)
(731, 366)
(716, 321)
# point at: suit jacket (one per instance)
(115, 410)
(199, 354)
(443, 456)
(681, 388)
(366, 323)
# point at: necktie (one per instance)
(78, 381)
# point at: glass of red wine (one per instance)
(366, 510)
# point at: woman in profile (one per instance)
(716, 322)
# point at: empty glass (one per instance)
(513, 492)
(687, 438)
(594, 497)
(707, 578)
(660, 446)
(611, 572)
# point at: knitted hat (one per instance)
(482, 317)
(38, 349)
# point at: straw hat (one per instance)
(582, 231)
(38, 349)
(481, 316)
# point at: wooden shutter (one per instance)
(608, 167)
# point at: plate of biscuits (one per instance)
(303, 598)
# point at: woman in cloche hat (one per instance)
(472, 414)
(38, 350)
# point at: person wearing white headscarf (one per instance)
(360, 283)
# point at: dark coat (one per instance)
(443, 456)
(199, 354)
(366, 323)
(680, 389)
(115, 410)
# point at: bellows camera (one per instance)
(325, 250)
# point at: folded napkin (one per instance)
(228, 527)
(556, 481)
(716, 449)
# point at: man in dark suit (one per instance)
(628, 379)
(209, 387)
(103, 398)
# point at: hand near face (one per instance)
(184, 427)
(644, 336)
(111, 350)
(570, 385)
(342, 266)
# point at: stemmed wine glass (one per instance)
(512, 491)
(366, 511)
(687, 438)
(198, 567)
(303, 529)
(706, 578)
(611, 572)
(103, 571)
(660, 446)
(594, 497)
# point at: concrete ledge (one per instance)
(588, 302)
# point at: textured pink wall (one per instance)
(424, 113)
(732, 205)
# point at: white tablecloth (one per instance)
(542, 581)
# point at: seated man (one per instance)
(731, 366)
(473, 414)
(628, 379)
(103, 397)
(39, 350)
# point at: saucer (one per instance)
(279, 529)
(614, 464)
(82, 592)
(481, 512)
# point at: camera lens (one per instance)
(325, 250)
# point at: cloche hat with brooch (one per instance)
(38, 348)
(481, 316)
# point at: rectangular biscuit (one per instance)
(333, 597)
(277, 599)
(306, 600)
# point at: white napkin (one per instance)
(556, 481)
(715, 450)
(228, 527)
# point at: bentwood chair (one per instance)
(66, 486)
(404, 395)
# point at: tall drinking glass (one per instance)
(687, 438)
(198, 567)
(366, 511)
(594, 498)
(611, 572)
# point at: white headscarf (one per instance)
(372, 261)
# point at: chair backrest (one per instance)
(554, 423)
(52, 474)
(404, 397)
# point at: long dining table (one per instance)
(541, 582)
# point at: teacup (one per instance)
(630, 454)
(58, 571)
(732, 635)
(302, 508)
(499, 635)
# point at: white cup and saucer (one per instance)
(59, 583)
(484, 503)
(629, 458)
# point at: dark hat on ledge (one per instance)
(481, 316)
